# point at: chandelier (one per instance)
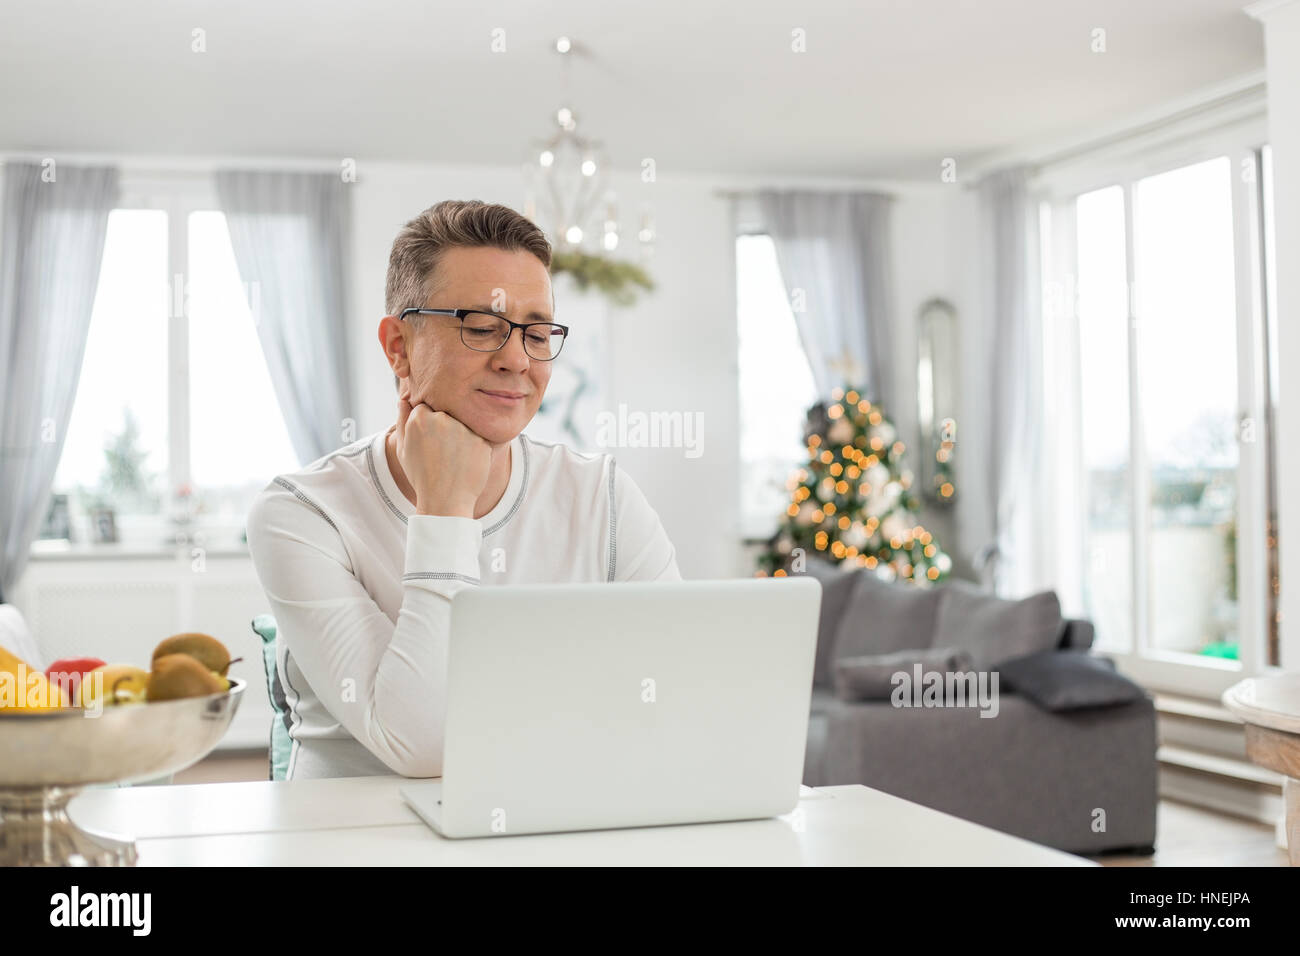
(568, 191)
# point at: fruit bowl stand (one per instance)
(47, 758)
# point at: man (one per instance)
(361, 551)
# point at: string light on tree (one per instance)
(943, 486)
(853, 500)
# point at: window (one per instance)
(1183, 362)
(1186, 369)
(1174, 451)
(175, 425)
(776, 387)
(115, 451)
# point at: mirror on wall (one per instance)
(937, 388)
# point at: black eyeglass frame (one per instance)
(461, 313)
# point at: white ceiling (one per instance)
(887, 88)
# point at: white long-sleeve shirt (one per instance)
(361, 587)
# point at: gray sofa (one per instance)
(1078, 778)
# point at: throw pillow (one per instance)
(871, 676)
(886, 616)
(996, 629)
(1068, 680)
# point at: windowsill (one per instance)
(63, 550)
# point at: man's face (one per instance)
(447, 375)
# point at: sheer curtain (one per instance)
(833, 250)
(55, 218)
(1004, 518)
(290, 234)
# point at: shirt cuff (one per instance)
(442, 548)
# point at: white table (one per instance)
(1270, 709)
(364, 821)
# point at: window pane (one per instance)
(1103, 345)
(238, 437)
(776, 386)
(115, 453)
(1187, 366)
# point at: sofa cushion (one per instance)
(995, 629)
(871, 676)
(1068, 680)
(886, 616)
(837, 585)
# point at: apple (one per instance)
(68, 672)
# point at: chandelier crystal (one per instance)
(568, 191)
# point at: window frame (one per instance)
(1239, 137)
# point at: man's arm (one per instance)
(385, 684)
(641, 548)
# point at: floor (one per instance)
(227, 767)
(1186, 835)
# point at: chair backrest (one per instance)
(281, 743)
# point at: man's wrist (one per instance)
(450, 509)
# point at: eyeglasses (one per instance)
(488, 332)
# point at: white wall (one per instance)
(675, 350)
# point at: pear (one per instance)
(176, 676)
(204, 648)
(114, 685)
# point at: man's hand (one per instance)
(446, 463)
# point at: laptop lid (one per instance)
(584, 706)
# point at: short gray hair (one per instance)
(419, 246)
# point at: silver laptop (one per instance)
(593, 706)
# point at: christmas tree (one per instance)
(853, 501)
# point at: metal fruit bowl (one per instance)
(47, 757)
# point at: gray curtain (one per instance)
(833, 249)
(55, 219)
(1007, 382)
(290, 236)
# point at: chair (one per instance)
(281, 744)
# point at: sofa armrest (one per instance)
(1077, 634)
